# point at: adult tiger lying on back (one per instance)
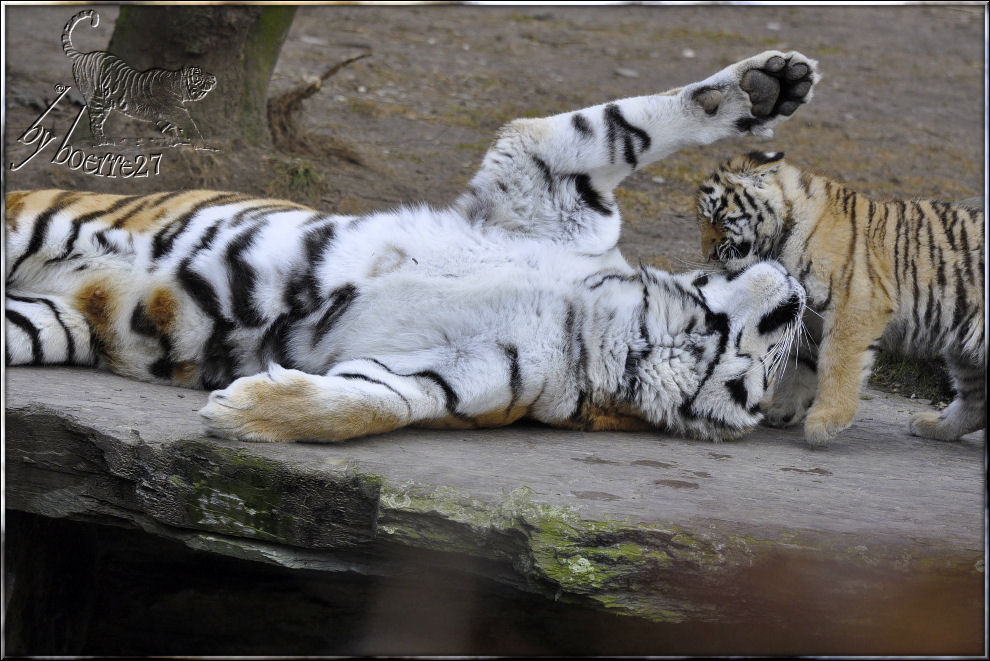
(907, 273)
(514, 302)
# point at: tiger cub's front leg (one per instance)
(793, 393)
(846, 357)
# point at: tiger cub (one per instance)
(512, 302)
(902, 275)
(156, 95)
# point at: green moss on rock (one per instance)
(551, 545)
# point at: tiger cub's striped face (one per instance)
(739, 210)
(742, 325)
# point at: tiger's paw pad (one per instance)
(775, 84)
(257, 408)
(928, 424)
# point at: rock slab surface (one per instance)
(648, 525)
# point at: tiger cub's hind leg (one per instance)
(965, 414)
(45, 330)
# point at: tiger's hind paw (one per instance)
(928, 424)
(750, 96)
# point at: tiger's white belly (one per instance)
(421, 279)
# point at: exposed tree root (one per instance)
(284, 108)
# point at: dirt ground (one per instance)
(900, 109)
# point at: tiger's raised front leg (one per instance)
(553, 177)
(177, 123)
(366, 396)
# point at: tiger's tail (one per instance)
(94, 20)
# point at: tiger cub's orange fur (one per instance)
(905, 275)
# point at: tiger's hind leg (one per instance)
(45, 330)
(965, 414)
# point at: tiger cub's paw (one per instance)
(261, 408)
(822, 426)
(929, 424)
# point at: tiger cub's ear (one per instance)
(765, 158)
(753, 168)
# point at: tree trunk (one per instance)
(239, 44)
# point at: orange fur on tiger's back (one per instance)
(904, 274)
(27, 204)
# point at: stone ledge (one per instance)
(650, 525)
